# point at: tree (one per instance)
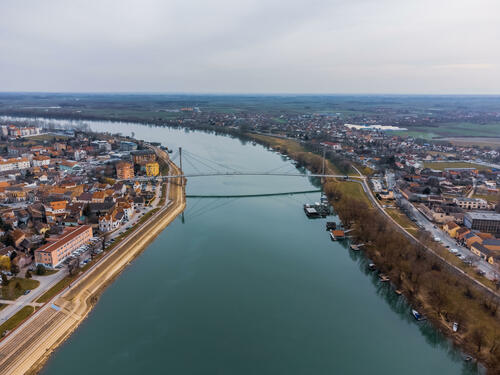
(40, 270)
(28, 274)
(4, 263)
(14, 269)
(5, 280)
(477, 338)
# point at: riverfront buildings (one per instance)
(52, 254)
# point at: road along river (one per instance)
(248, 286)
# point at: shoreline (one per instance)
(421, 300)
(39, 339)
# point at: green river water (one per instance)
(249, 286)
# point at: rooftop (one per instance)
(483, 215)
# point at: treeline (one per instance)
(444, 296)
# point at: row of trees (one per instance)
(429, 284)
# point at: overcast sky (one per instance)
(257, 46)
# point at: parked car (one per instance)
(27, 291)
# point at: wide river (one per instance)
(248, 286)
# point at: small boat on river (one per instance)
(417, 315)
(383, 278)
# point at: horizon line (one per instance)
(189, 93)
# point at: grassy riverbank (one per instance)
(432, 287)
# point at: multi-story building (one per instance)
(14, 164)
(128, 146)
(124, 170)
(152, 169)
(143, 156)
(482, 221)
(40, 160)
(53, 253)
(471, 203)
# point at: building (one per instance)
(124, 170)
(492, 244)
(152, 169)
(40, 160)
(488, 222)
(54, 209)
(491, 257)
(52, 254)
(101, 145)
(14, 164)
(451, 228)
(128, 146)
(110, 222)
(332, 146)
(471, 203)
(143, 156)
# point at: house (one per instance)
(17, 236)
(109, 222)
(451, 228)
(470, 238)
(492, 244)
(461, 232)
(98, 197)
(488, 255)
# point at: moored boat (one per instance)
(416, 315)
(383, 278)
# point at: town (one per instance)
(65, 197)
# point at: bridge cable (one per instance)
(212, 161)
(201, 162)
(192, 165)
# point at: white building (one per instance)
(471, 203)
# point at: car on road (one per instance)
(27, 291)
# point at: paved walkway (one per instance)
(18, 303)
(46, 282)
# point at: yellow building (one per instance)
(152, 169)
(451, 228)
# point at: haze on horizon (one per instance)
(251, 46)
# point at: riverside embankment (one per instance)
(27, 348)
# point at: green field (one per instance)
(17, 319)
(17, 287)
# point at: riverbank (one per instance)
(29, 347)
(442, 295)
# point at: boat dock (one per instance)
(337, 235)
(317, 209)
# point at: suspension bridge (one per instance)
(211, 168)
(199, 166)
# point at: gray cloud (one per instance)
(339, 46)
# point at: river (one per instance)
(249, 286)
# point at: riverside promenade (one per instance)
(26, 349)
